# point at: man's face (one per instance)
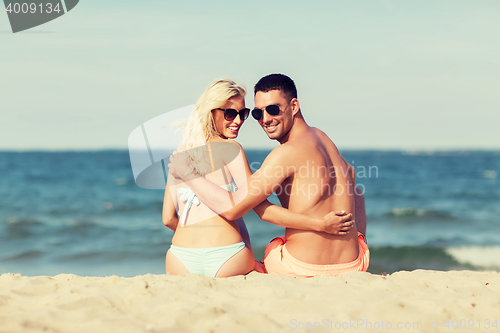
(276, 127)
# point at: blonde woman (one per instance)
(204, 242)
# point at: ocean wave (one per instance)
(391, 259)
(14, 220)
(487, 257)
(124, 181)
(81, 228)
(138, 207)
(20, 227)
(490, 174)
(107, 255)
(26, 255)
(410, 212)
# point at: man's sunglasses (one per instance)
(230, 114)
(272, 109)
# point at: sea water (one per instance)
(82, 213)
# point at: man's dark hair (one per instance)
(277, 82)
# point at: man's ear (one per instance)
(294, 103)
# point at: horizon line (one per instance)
(381, 149)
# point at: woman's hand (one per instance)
(179, 165)
(338, 223)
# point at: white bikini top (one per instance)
(187, 195)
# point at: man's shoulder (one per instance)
(285, 149)
(326, 141)
(281, 154)
(322, 135)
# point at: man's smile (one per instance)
(270, 128)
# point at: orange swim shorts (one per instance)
(279, 261)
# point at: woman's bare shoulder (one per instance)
(225, 151)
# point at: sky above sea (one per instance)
(377, 74)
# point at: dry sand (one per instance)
(418, 301)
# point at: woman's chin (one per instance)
(231, 135)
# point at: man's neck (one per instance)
(299, 127)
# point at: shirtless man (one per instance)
(309, 176)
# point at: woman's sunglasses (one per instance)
(230, 114)
(272, 109)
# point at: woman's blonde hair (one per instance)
(200, 126)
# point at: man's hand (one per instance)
(337, 223)
(179, 165)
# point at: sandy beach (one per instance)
(419, 301)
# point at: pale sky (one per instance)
(371, 74)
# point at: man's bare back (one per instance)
(319, 185)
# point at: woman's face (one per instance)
(229, 129)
